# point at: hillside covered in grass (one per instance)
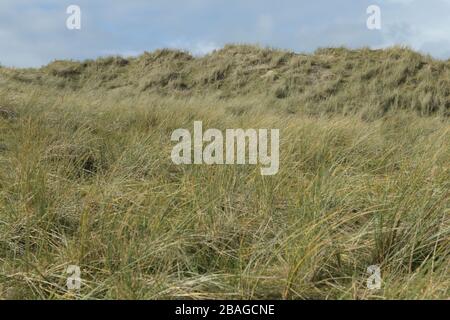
(368, 82)
(86, 177)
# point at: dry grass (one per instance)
(86, 177)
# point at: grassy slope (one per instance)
(86, 177)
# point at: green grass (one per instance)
(86, 177)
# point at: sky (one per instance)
(34, 32)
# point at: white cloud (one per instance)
(197, 48)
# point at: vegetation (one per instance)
(86, 177)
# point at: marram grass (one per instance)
(86, 177)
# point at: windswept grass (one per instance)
(86, 177)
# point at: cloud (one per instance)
(421, 25)
(198, 48)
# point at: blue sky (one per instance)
(33, 32)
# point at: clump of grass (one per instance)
(86, 177)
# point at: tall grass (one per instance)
(86, 178)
